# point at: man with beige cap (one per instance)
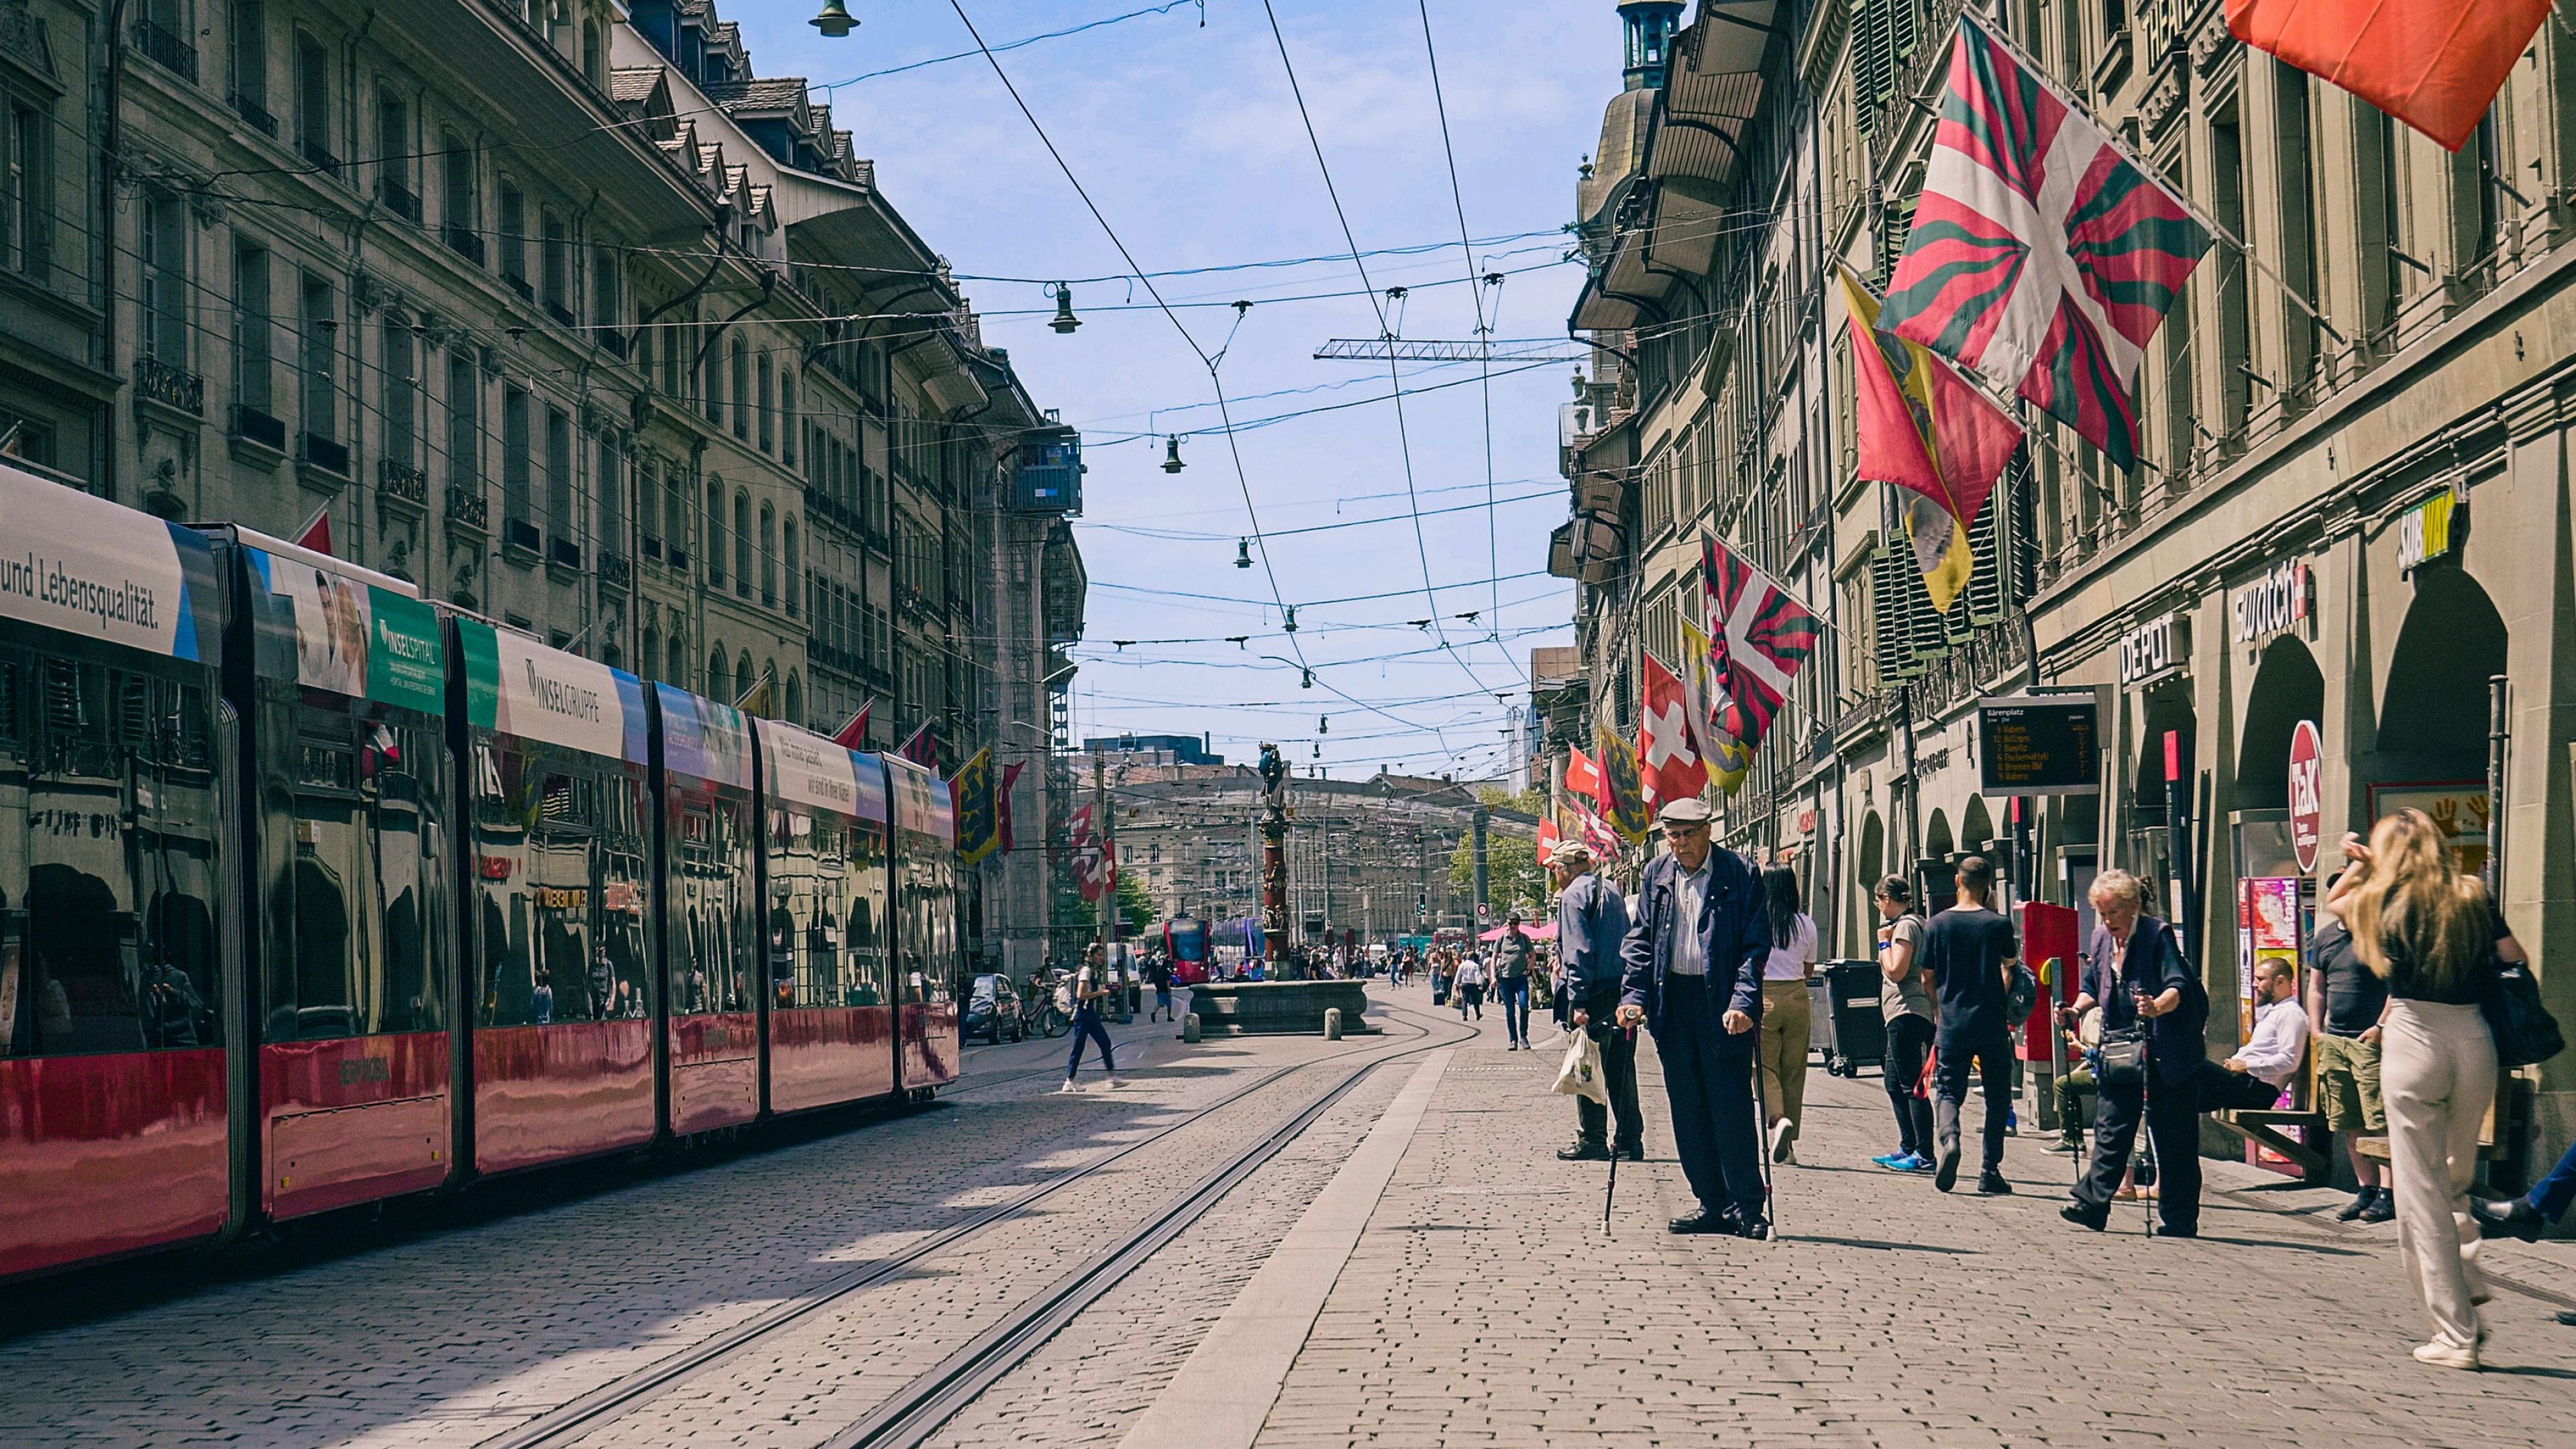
(1591, 921)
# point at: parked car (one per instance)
(993, 1011)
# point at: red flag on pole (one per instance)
(2434, 64)
(854, 735)
(316, 532)
(1582, 777)
(1547, 837)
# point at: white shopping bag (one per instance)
(1580, 1075)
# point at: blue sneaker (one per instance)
(1897, 1161)
(1889, 1159)
(1920, 1163)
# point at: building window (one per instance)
(741, 390)
(795, 700)
(22, 207)
(164, 260)
(743, 679)
(517, 506)
(612, 498)
(464, 426)
(252, 348)
(787, 412)
(678, 673)
(594, 63)
(402, 392)
(456, 186)
(768, 404)
(768, 555)
(717, 673)
(313, 105)
(603, 287)
(559, 461)
(648, 660)
(394, 148)
(554, 272)
(514, 237)
(672, 346)
(320, 346)
(795, 572)
(742, 543)
(675, 513)
(246, 36)
(714, 541)
(712, 403)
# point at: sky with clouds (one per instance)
(1183, 128)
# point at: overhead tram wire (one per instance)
(1234, 449)
(1484, 361)
(1403, 432)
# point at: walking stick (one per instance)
(1762, 1139)
(1612, 1194)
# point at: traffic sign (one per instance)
(2307, 778)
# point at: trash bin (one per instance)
(1856, 1032)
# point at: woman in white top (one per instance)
(1470, 987)
(1786, 1016)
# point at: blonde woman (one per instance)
(2429, 932)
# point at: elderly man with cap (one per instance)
(1694, 977)
(1591, 921)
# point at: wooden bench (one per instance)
(2262, 1128)
(2499, 1137)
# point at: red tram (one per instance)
(315, 893)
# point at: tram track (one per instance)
(918, 1408)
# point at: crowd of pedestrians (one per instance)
(1714, 958)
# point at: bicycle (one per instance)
(1050, 1020)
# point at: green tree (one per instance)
(1077, 919)
(1513, 879)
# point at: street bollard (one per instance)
(1332, 1023)
(1190, 1026)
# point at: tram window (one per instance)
(357, 911)
(109, 872)
(563, 880)
(710, 883)
(828, 884)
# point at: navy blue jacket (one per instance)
(1591, 922)
(1734, 933)
(2177, 1042)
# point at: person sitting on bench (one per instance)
(2253, 1079)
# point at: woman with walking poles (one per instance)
(2432, 934)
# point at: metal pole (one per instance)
(1101, 927)
(2178, 832)
(1477, 823)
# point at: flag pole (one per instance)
(2038, 71)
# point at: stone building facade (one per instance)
(560, 311)
(2357, 522)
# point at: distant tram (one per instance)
(1185, 947)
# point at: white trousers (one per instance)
(2438, 1075)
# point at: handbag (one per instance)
(2525, 1032)
(2023, 997)
(2121, 1059)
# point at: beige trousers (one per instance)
(2437, 1073)
(1786, 1017)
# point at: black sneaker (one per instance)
(1584, 1152)
(2360, 1204)
(2382, 1207)
(1945, 1175)
(2085, 1215)
(2510, 1218)
(1703, 1221)
(1991, 1183)
(1633, 1151)
(2176, 1230)
(1751, 1225)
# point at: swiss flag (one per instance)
(1546, 840)
(2434, 64)
(1672, 768)
(317, 533)
(1582, 777)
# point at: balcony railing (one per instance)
(402, 483)
(398, 199)
(466, 507)
(559, 312)
(165, 49)
(614, 571)
(563, 552)
(258, 117)
(520, 534)
(328, 454)
(319, 157)
(519, 285)
(171, 387)
(679, 559)
(465, 242)
(653, 546)
(610, 340)
(252, 425)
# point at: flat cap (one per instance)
(1570, 852)
(1688, 811)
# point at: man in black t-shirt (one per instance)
(1969, 950)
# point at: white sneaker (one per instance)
(2443, 1355)
(1067, 1087)
(1116, 1084)
(1781, 1150)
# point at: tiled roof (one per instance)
(629, 84)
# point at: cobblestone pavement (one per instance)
(452, 1336)
(1482, 1305)
(1485, 1306)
